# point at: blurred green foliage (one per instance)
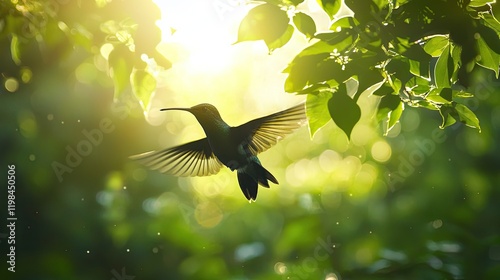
(420, 203)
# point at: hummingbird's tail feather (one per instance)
(251, 176)
(263, 175)
(248, 185)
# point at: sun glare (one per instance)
(200, 32)
(199, 38)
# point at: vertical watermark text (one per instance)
(11, 217)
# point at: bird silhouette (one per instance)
(233, 146)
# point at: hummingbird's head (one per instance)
(203, 112)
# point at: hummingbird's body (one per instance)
(235, 147)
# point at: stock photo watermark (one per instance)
(11, 218)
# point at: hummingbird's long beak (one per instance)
(179, 109)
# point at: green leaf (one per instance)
(418, 85)
(120, 62)
(417, 53)
(424, 104)
(305, 24)
(466, 116)
(490, 37)
(394, 117)
(331, 7)
(436, 45)
(383, 90)
(442, 73)
(480, 3)
(440, 96)
(313, 89)
(456, 55)
(339, 40)
(490, 20)
(366, 75)
(387, 104)
(344, 110)
(456, 111)
(390, 107)
(447, 112)
(281, 41)
(317, 110)
(418, 59)
(317, 48)
(312, 69)
(488, 58)
(344, 23)
(143, 85)
(400, 70)
(265, 22)
(462, 94)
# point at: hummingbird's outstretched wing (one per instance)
(262, 133)
(191, 159)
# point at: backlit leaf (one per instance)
(466, 116)
(305, 24)
(488, 58)
(317, 110)
(436, 45)
(266, 22)
(331, 7)
(442, 72)
(143, 85)
(344, 110)
(394, 117)
(120, 62)
(448, 115)
(281, 41)
(440, 96)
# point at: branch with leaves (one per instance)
(406, 53)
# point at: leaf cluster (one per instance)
(405, 53)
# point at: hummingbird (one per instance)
(235, 147)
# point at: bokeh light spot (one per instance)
(437, 223)
(280, 268)
(114, 181)
(381, 151)
(328, 160)
(208, 214)
(26, 75)
(27, 123)
(86, 73)
(331, 276)
(11, 84)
